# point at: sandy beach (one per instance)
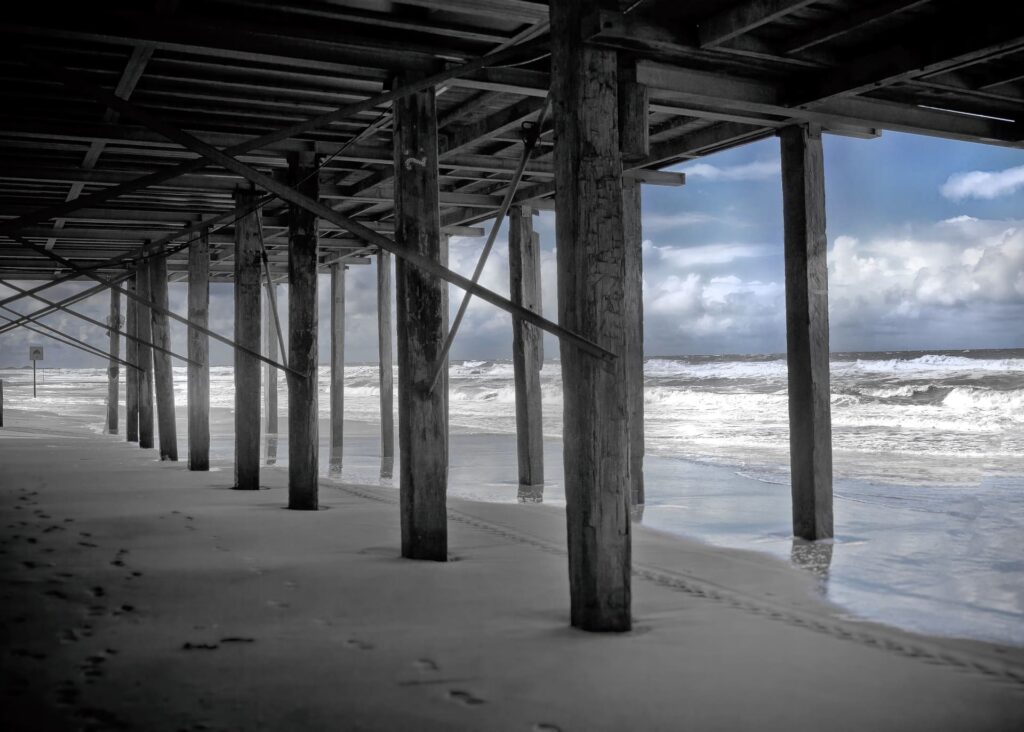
(139, 595)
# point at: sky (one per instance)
(925, 252)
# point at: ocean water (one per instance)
(928, 457)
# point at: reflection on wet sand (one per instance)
(271, 449)
(387, 466)
(531, 493)
(815, 557)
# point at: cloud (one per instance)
(660, 222)
(705, 254)
(983, 184)
(946, 268)
(757, 170)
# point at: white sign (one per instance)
(35, 353)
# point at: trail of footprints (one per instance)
(63, 586)
(96, 601)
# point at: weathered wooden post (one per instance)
(144, 330)
(131, 376)
(591, 301)
(527, 352)
(634, 144)
(386, 365)
(810, 419)
(199, 351)
(422, 427)
(337, 365)
(247, 333)
(113, 368)
(1, 402)
(443, 382)
(303, 423)
(270, 375)
(162, 375)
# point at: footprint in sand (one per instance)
(425, 664)
(92, 667)
(68, 693)
(25, 653)
(545, 727)
(360, 644)
(70, 635)
(464, 697)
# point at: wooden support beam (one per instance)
(422, 428)
(303, 420)
(295, 197)
(510, 194)
(527, 352)
(163, 377)
(337, 365)
(386, 363)
(272, 340)
(743, 18)
(633, 141)
(810, 419)
(271, 343)
(131, 377)
(591, 289)
(50, 332)
(247, 334)
(144, 328)
(113, 369)
(199, 353)
(112, 283)
(428, 82)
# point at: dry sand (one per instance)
(138, 595)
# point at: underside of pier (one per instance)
(258, 142)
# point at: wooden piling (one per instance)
(807, 341)
(199, 351)
(269, 372)
(634, 144)
(303, 423)
(337, 365)
(247, 333)
(131, 376)
(163, 377)
(270, 406)
(386, 364)
(113, 368)
(591, 292)
(527, 352)
(144, 330)
(420, 317)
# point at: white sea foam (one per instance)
(944, 415)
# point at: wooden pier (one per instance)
(260, 143)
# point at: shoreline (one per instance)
(875, 568)
(140, 594)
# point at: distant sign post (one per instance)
(36, 354)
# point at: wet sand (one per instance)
(138, 595)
